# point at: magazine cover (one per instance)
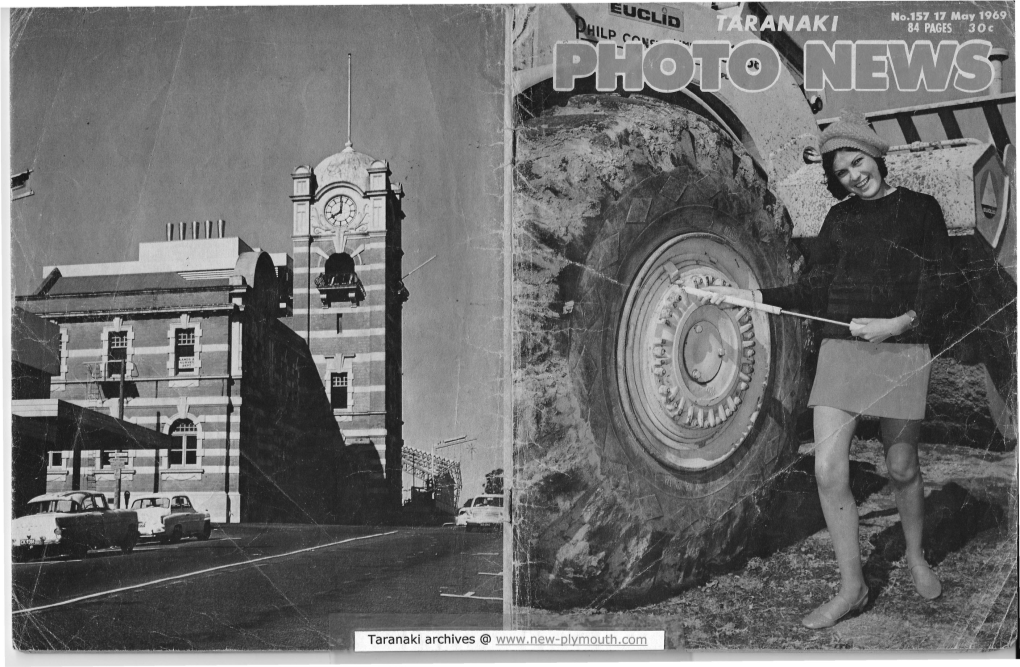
(256, 313)
(612, 327)
(764, 308)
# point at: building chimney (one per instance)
(221, 227)
(997, 56)
(169, 231)
(183, 226)
(208, 229)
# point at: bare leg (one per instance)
(900, 436)
(834, 429)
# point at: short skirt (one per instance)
(875, 379)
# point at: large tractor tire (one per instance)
(653, 421)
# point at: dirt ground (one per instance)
(971, 541)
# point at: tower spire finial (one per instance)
(349, 145)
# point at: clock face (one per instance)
(340, 210)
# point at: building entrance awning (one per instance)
(64, 426)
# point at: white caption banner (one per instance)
(509, 640)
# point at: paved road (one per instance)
(246, 589)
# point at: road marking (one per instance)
(113, 550)
(50, 562)
(198, 572)
(468, 596)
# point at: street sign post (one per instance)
(117, 461)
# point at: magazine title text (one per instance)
(754, 65)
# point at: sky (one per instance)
(133, 118)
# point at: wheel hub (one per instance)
(703, 352)
(705, 368)
(694, 372)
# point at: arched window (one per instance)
(184, 450)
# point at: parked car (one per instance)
(481, 511)
(170, 517)
(72, 522)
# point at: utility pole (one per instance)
(116, 459)
(120, 399)
(155, 463)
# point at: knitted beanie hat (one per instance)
(852, 131)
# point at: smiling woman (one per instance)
(850, 171)
(880, 256)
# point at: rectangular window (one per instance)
(184, 351)
(180, 502)
(339, 323)
(56, 459)
(184, 444)
(338, 391)
(116, 353)
(184, 450)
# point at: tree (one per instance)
(494, 481)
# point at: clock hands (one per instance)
(340, 213)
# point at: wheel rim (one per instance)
(691, 374)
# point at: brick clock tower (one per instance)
(348, 297)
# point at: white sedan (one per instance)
(481, 511)
(72, 522)
(169, 517)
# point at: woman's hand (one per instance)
(718, 292)
(877, 329)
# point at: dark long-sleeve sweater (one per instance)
(876, 258)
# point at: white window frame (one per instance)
(165, 464)
(343, 379)
(58, 382)
(118, 327)
(340, 364)
(185, 322)
(63, 460)
(65, 339)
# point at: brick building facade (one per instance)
(277, 380)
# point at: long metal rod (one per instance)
(763, 307)
(420, 265)
(458, 442)
(349, 142)
(812, 317)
